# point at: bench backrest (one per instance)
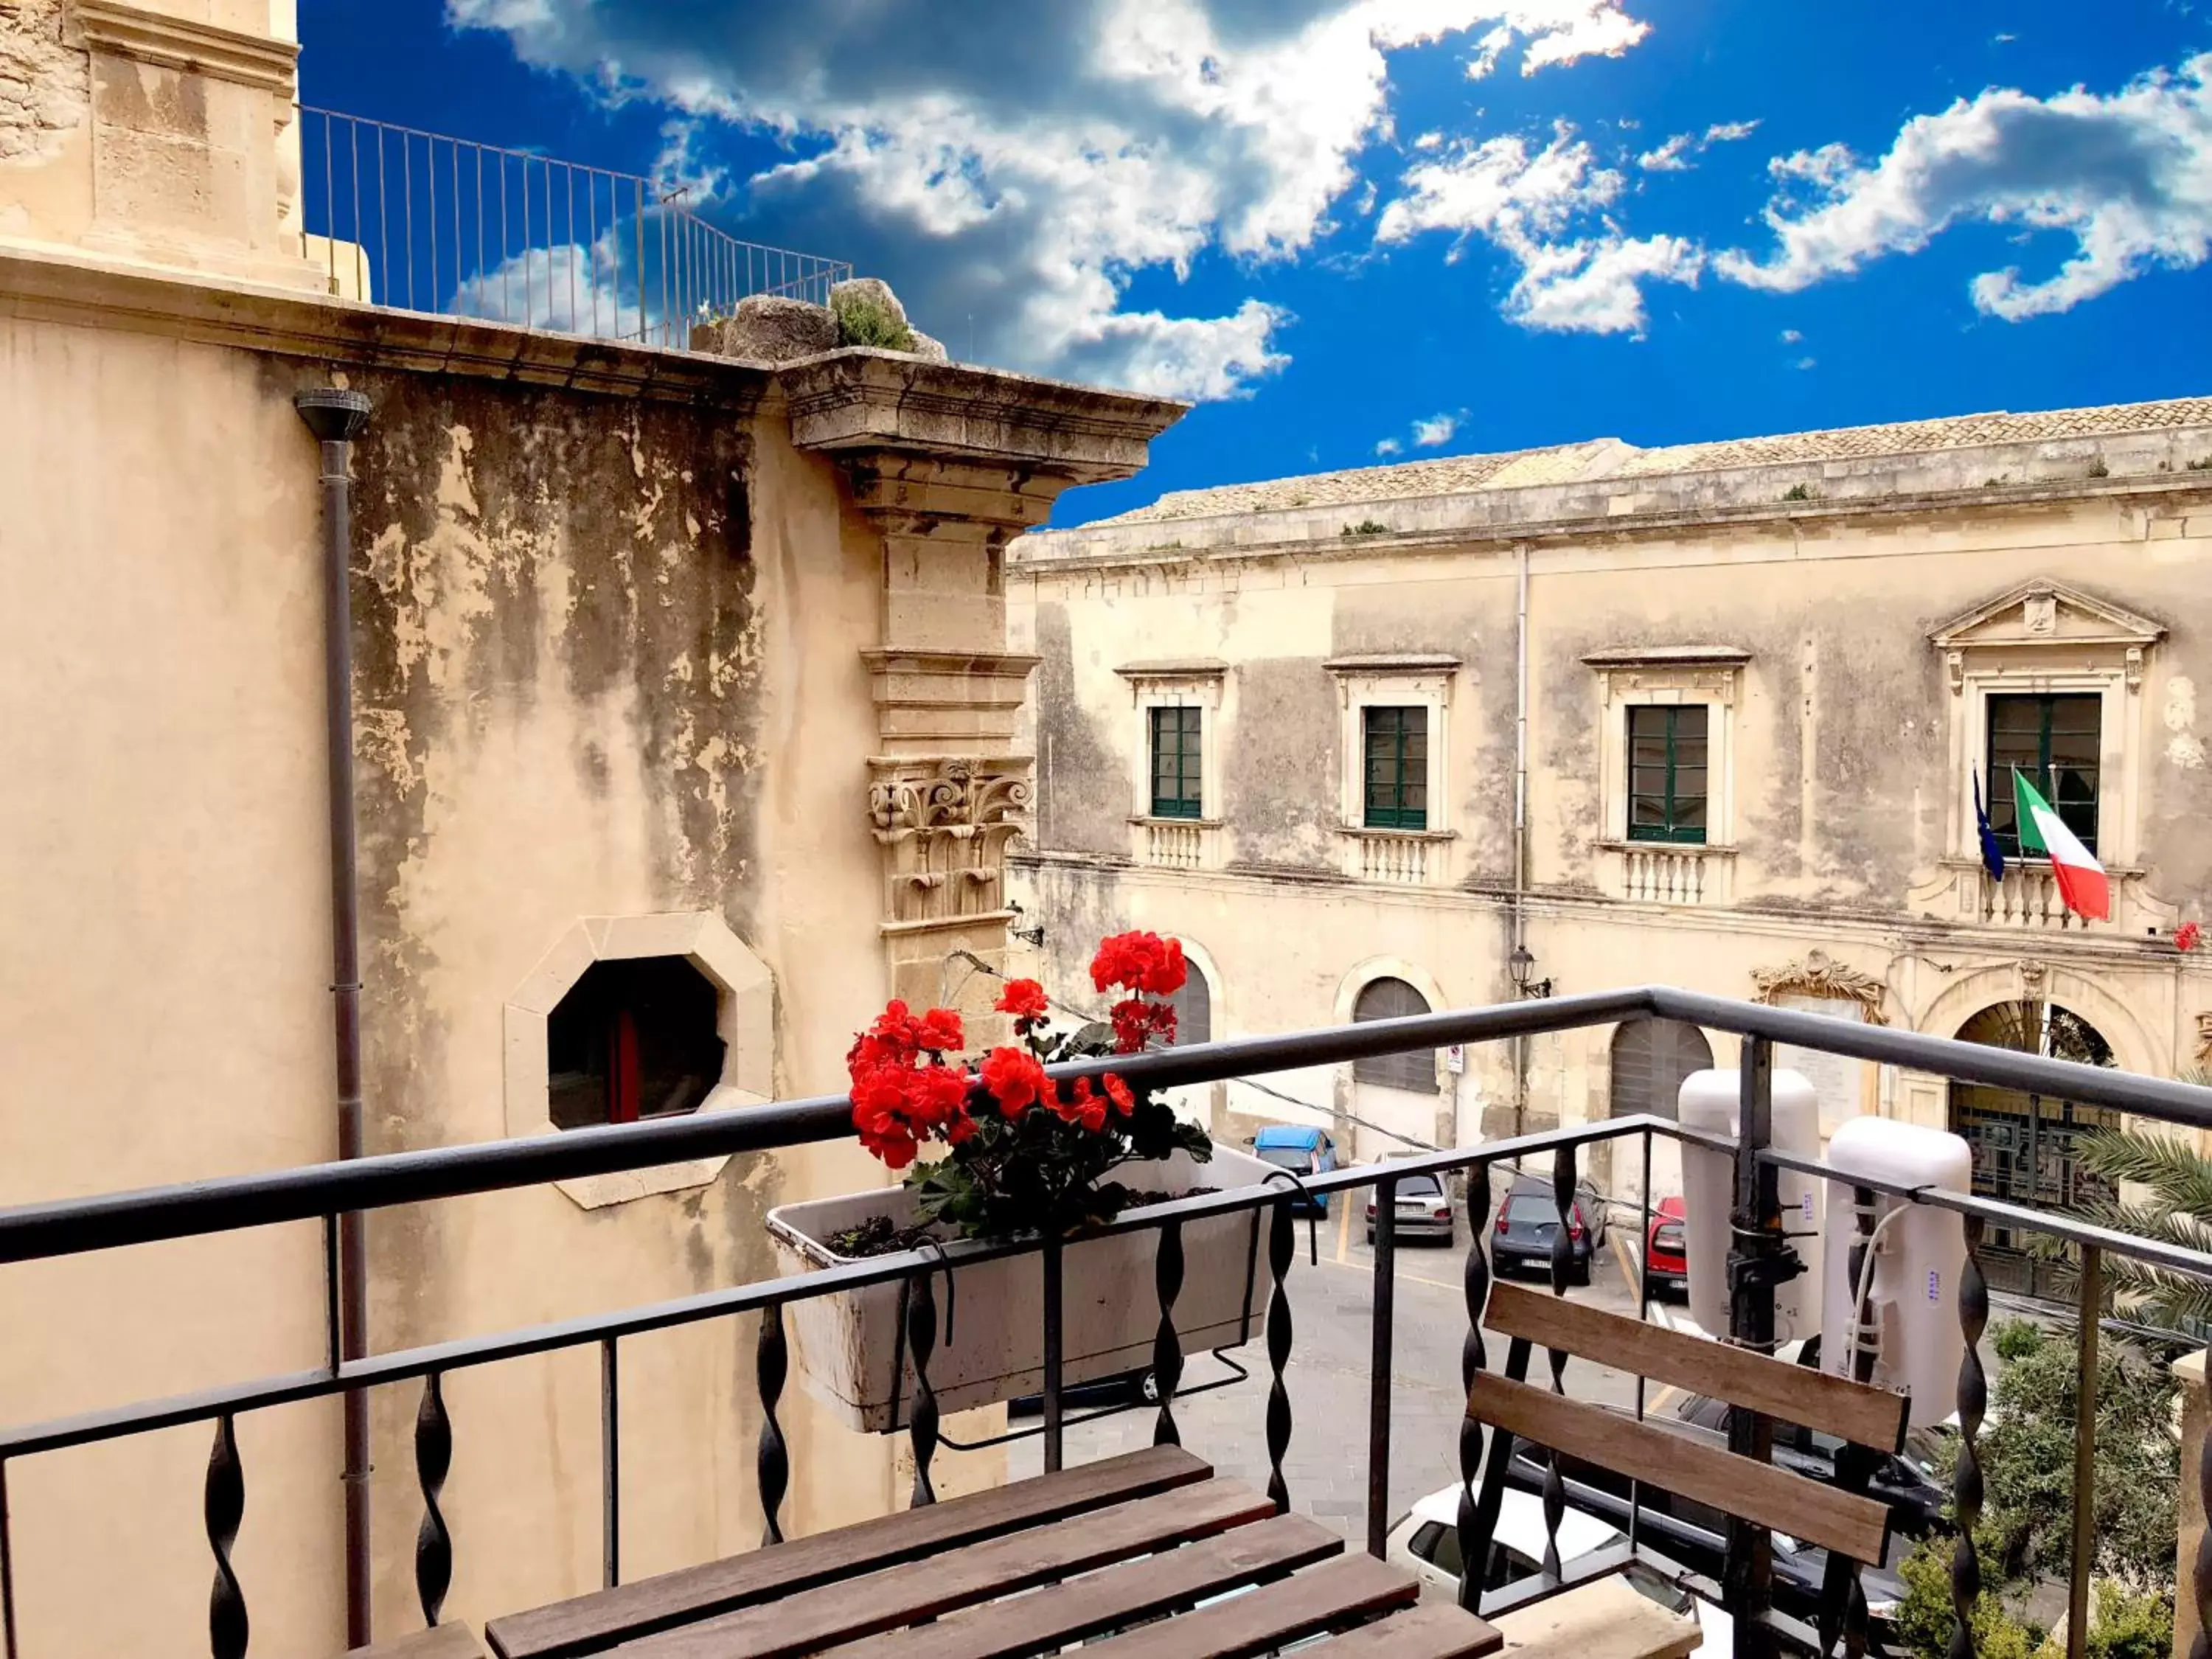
(1848, 1523)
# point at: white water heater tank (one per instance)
(1710, 1101)
(1913, 1308)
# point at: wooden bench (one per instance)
(1147, 1554)
(1848, 1523)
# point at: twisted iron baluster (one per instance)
(1973, 1399)
(1167, 1349)
(225, 1509)
(921, 1423)
(1475, 1279)
(434, 1456)
(1563, 1253)
(1282, 1245)
(771, 1365)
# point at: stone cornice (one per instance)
(62, 287)
(177, 43)
(1669, 656)
(860, 400)
(1593, 529)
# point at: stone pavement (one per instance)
(1332, 1321)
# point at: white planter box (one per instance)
(849, 1342)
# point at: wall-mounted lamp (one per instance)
(1033, 936)
(1521, 964)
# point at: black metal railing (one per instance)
(325, 1192)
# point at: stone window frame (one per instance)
(1414, 680)
(1984, 656)
(744, 1016)
(1198, 683)
(1643, 676)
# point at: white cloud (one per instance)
(1674, 156)
(1021, 166)
(1527, 202)
(2128, 176)
(1388, 446)
(1808, 362)
(1437, 429)
(569, 288)
(1790, 337)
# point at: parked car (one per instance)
(1696, 1536)
(1666, 1267)
(1904, 1481)
(1425, 1543)
(1304, 1152)
(1424, 1209)
(1529, 1219)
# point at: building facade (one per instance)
(1714, 716)
(685, 735)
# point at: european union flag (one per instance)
(1992, 854)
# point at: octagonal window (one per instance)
(635, 1037)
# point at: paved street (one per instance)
(1333, 1322)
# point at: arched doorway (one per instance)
(1414, 1071)
(1395, 1097)
(2023, 1144)
(1649, 1061)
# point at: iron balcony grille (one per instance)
(419, 222)
(45, 1231)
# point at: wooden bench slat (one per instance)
(843, 1612)
(1113, 1599)
(1607, 1619)
(446, 1641)
(1341, 1592)
(1437, 1630)
(1795, 1393)
(1759, 1493)
(594, 1623)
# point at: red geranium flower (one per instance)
(1080, 1104)
(1137, 1021)
(1015, 1079)
(2187, 936)
(939, 1096)
(939, 1031)
(1118, 1092)
(1025, 999)
(1139, 962)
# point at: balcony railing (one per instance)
(421, 222)
(325, 1192)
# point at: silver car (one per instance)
(1424, 1209)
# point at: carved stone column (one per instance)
(950, 463)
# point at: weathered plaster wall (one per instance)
(45, 126)
(1844, 769)
(607, 663)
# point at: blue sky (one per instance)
(1363, 229)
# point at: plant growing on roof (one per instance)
(1025, 1154)
(864, 320)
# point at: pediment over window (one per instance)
(2044, 613)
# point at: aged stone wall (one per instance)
(608, 664)
(1799, 594)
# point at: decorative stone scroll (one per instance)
(1817, 975)
(945, 826)
(1817, 984)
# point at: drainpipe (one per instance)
(336, 418)
(1519, 929)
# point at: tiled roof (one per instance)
(1611, 458)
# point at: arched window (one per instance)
(1650, 1058)
(1193, 1006)
(1414, 1071)
(634, 1037)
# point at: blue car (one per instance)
(1304, 1152)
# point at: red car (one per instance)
(1665, 1265)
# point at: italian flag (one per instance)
(2081, 878)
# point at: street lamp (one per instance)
(1521, 964)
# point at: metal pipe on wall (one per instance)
(338, 417)
(1519, 931)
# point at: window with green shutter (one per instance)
(1666, 772)
(1397, 760)
(2056, 741)
(1177, 790)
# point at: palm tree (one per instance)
(2178, 1211)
